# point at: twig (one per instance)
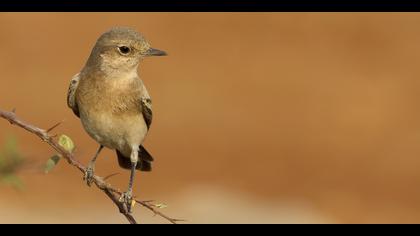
(109, 176)
(151, 207)
(111, 192)
(54, 126)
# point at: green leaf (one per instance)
(10, 157)
(66, 142)
(1, 161)
(51, 163)
(11, 148)
(14, 181)
(10, 145)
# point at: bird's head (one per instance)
(121, 49)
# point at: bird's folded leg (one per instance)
(90, 170)
(127, 197)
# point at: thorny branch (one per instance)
(110, 191)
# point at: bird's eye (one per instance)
(124, 50)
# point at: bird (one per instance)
(112, 102)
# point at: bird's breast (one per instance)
(111, 113)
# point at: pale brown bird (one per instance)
(112, 102)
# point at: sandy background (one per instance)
(258, 117)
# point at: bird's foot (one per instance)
(127, 199)
(89, 173)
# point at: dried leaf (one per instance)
(160, 205)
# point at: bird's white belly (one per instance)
(120, 132)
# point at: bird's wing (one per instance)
(146, 108)
(71, 98)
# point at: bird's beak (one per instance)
(155, 52)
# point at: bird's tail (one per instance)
(144, 163)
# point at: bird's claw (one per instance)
(127, 199)
(88, 177)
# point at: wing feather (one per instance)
(71, 98)
(146, 108)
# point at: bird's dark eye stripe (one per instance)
(124, 49)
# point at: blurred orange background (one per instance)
(258, 117)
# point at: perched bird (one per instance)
(112, 101)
